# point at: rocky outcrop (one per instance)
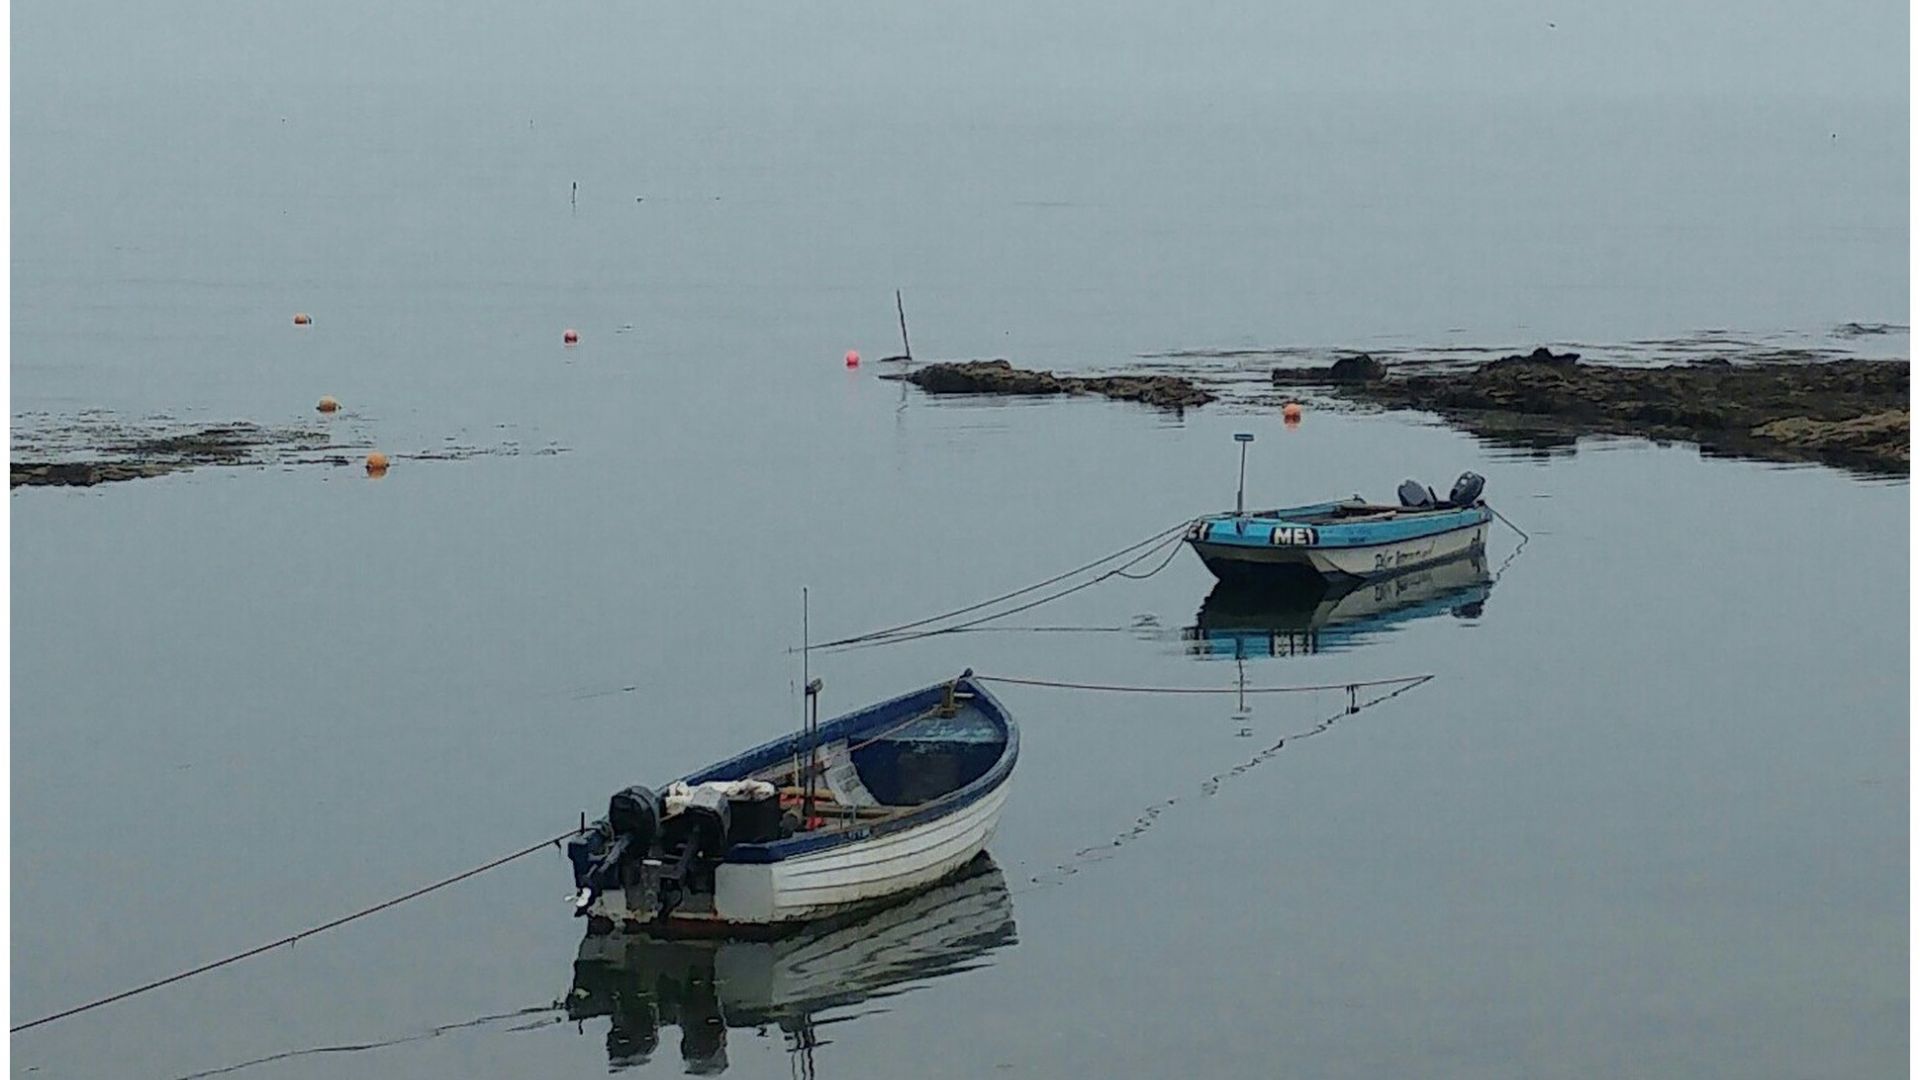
(1001, 377)
(97, 451)
(1883, 434)
(982, 377)
(1847, 412)
(1358, 368)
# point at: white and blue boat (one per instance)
(1350, 540)
(834, 819)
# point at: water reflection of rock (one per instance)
(1240, 623)
(706, 987)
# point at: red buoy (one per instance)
(853, 358)
(571, 337)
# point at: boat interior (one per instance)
(1415, 499)
(887, 770)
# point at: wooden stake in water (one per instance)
(905, 345)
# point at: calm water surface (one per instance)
(1648, 819)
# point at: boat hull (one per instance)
(1280, 565)
(753, 899)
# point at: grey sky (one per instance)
(907, 50)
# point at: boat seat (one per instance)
(1349, 511)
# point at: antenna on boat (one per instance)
(809, 711)
(813, 745)
(1240, 496)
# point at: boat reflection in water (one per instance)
(1243, 623)
(704, 987)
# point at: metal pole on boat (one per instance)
(806, 700)
(813, 747)
(1240, 496)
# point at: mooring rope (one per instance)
(1060, 872)
(1503, 520)
(1151, 543)
(1518, 548)
(894, 638)
(1410, 682)
(291, 938)
(1171, 552)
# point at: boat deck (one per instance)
(1347, 513)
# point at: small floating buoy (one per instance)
(571, 337)
(853, 358)
(301, 318)
(1291, 412)
(376, 464)
(328, 404)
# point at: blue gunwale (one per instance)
(871, 718)
(1256, 529)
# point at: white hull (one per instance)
(1367, 561)
(1399, 556)
(824, 883)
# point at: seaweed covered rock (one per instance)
(983, 377)
(1851, 413)
(1002, 378)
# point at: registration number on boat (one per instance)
(1295, 535)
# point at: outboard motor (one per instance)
(613, 852)
(1415, 495)
(1466, 490)
(702, 824)
(635, 812)
(699, 830)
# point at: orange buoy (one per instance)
(571, 337)
(301, 318)
(328, 404)
(853, 358)
(1291, 413)
(376, 464)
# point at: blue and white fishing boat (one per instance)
(833, 819)
(1347, 540)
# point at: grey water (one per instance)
(1648, 818)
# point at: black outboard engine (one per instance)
(1415, 495)
(1466, 490)
(699, 831)
(612, 852)
(702, 824)
(635, 812)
